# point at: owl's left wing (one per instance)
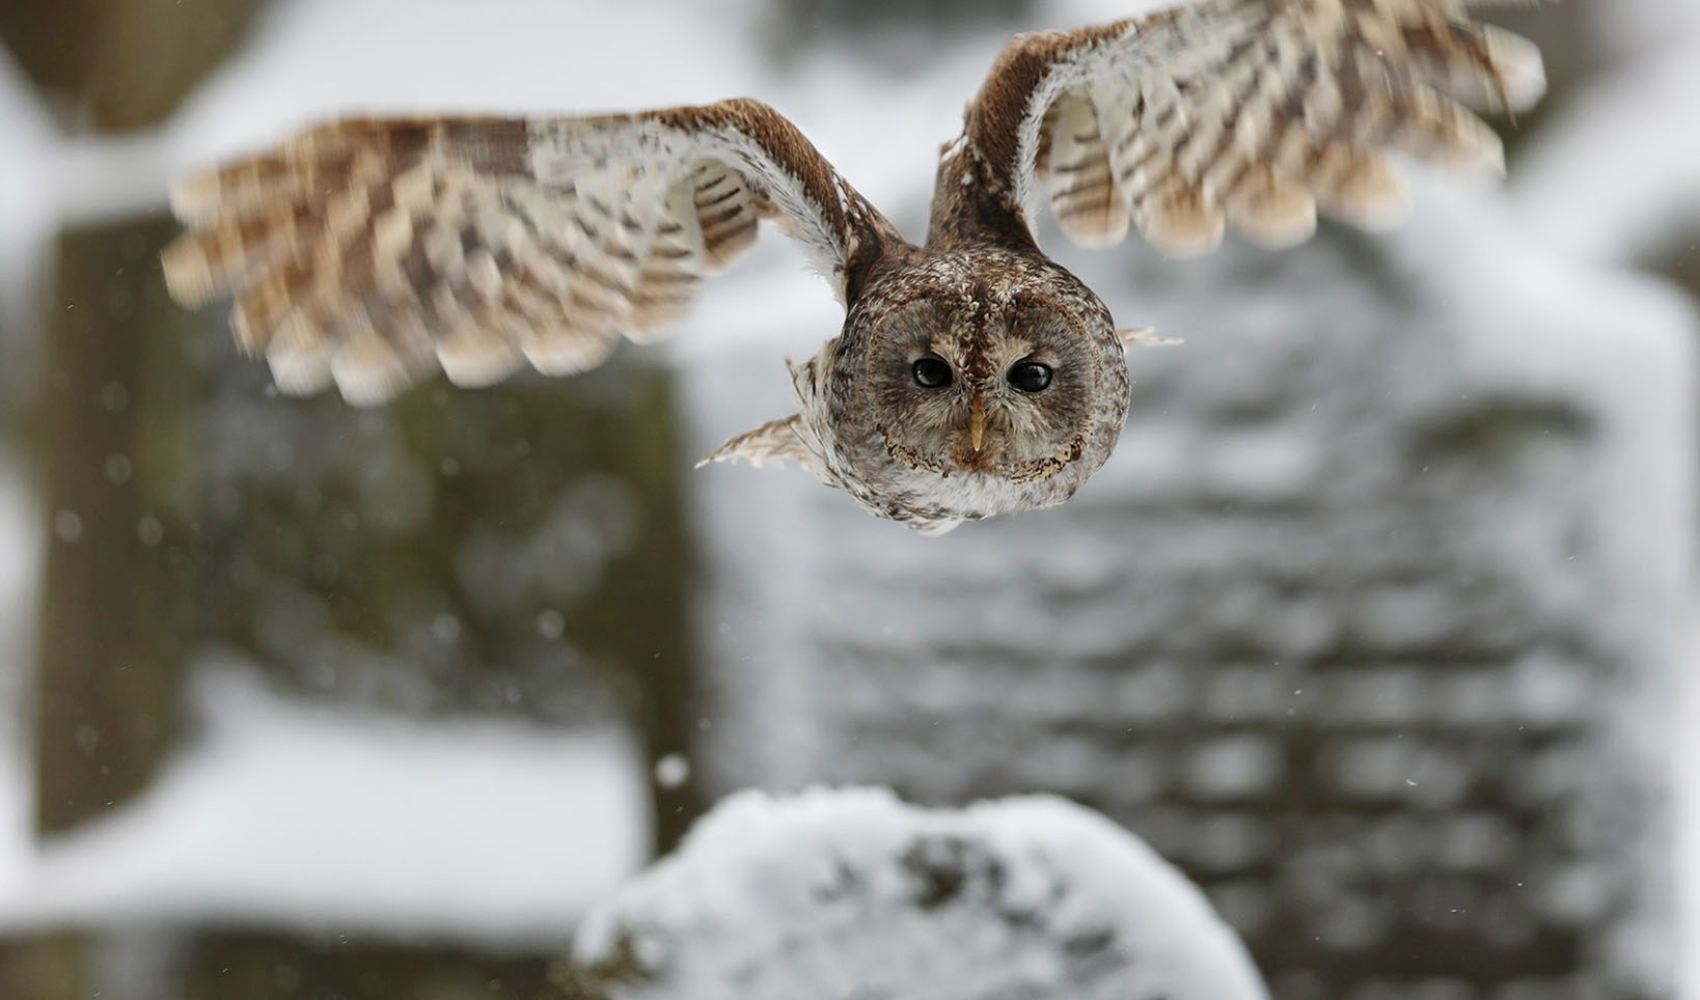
(371, 252)
(1253, 113)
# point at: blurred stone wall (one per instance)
(1367, 625)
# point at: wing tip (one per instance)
(367, 378)
(188, 274)
(1278, 233)
(1520, 68)
(478, 368)
(1187, 238)
(1090, 233)
(297, 374)
(1273, 212)
(195, 198)
(569, 355)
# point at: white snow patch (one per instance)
(27, 218)
(285, 814)
(1687, 772)
(1617, 175)
(1630, 29)
(20, 561)
(1024, 897)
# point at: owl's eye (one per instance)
(932, 373)
(1030, 376)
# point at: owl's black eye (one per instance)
(1030, 376)
(931, 373)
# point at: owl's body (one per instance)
(973, 375)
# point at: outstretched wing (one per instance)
(1250, 112)
(372, 252)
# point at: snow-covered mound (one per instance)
(840, 894)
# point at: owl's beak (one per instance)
(977, 425)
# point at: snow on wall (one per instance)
(1614, 175)
(1618, 177)
(20, 561)
(1688, 819)
(302, 817)
(1630, 29)
(26, 216)
(855, 894)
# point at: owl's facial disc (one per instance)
(1000, 389)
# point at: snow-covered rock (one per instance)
(846, 894)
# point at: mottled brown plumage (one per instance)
(973, 376)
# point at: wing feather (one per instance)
(1249, 113)
(371, 252)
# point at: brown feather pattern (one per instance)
(370, 252)
(1253, 113)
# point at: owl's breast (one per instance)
(934, 500)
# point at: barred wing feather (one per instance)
(1254, 113)
(370, 253)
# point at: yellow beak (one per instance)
(977, 425)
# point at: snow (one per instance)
(27, 219)
(295, 816)
(442, 56)
(1645, 386)
(854, 893)
(1628, 29)
(1617, 176)
(20, 561)
(1688, 817)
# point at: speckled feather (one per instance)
(370, 253)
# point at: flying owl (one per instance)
(973, 375)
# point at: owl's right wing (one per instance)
(1247, 112)
(372, 252)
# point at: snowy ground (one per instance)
(475, 830)
(287, 815)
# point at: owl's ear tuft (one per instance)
(766, 445)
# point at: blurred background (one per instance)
(1378, 623)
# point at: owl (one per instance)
(973, 375)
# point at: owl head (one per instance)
(965, 384)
